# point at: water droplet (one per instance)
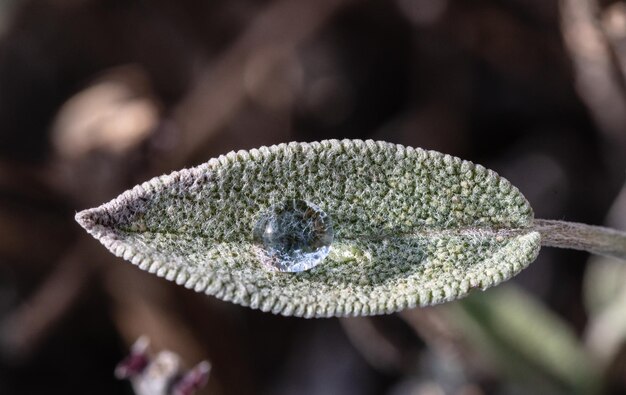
(293, 236)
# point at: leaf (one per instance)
(604, 291)
(412, 227)
(527, 340)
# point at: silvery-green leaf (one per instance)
(412, 227)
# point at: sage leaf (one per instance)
(411, 227)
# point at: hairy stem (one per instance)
(594, 239)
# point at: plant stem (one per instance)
(595, 239)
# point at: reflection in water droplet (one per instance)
(293, 236)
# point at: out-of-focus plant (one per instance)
(161, 374)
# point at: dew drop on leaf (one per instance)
(293, 236)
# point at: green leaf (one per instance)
(412, 227)
(526, 340)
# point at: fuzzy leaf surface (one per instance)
(412, 227)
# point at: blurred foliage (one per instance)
(97, 95)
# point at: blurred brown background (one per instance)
(98, 95)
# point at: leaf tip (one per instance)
(84, 218)
(88, 219)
